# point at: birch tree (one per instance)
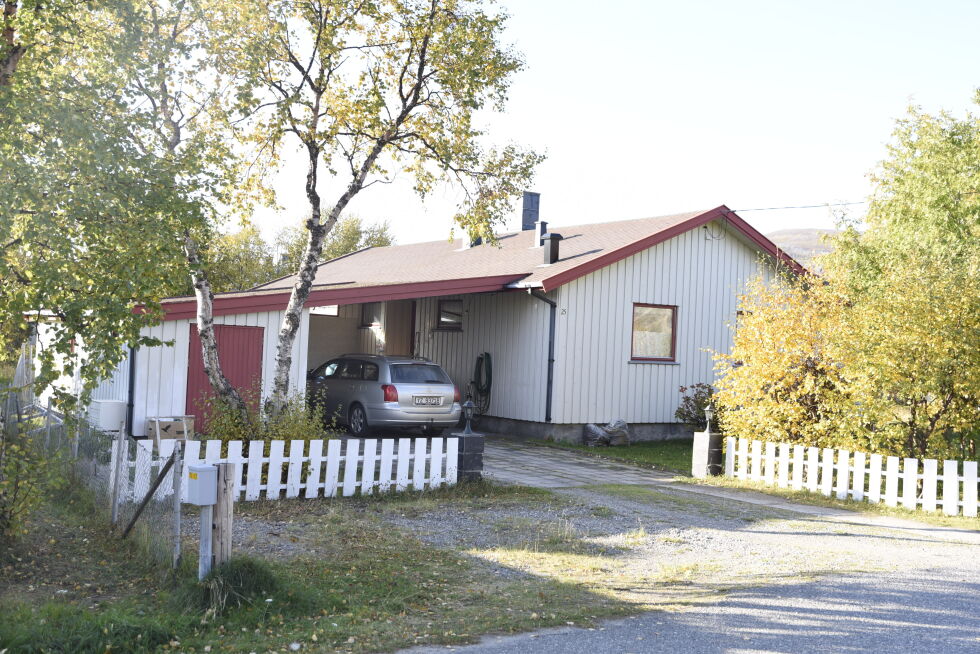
(86, 226)
(368, 89)
(118, 161)
(193, 97)
(881, 353)
(912, 279)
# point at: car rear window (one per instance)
(418, 373)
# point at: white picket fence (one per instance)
(857, 475)
(306, 471)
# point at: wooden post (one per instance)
(178, 475)
(204, 551)
(122, 464)
(224, 510)
(47, 426)
(76, 434)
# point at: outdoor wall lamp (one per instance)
(468, 407)
(709, 413)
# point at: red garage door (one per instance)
(240, 354)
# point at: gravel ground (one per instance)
(257, 536)
(745, 543)
(773, 581)
(923, 610)
(729, 576)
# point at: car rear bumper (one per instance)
(383, 416)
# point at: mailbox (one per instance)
(202, 484)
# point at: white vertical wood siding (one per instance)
(513, 328)
(161, 372)
(391, 333)
(699, 272)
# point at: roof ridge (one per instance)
(518, 231)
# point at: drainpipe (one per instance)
(551, 349)
(132, 390)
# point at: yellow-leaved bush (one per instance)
(782, 381)
(881, 351)
(892, 366)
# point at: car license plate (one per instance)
(428, 400)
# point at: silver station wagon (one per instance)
(369, 392)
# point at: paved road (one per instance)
(923, 613)
(514, 462)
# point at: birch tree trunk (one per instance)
(366, 82)
(10, 50)
(166, 29)
(307, 272)
(205, 331)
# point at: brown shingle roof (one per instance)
(443, 267)
(513, 254)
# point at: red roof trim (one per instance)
(764, 243)
(183, 309)
(721, 212)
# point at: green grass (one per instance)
(368, 587)
(816, 499)
(672, 456)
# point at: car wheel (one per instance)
(357, 421)
(429, 431)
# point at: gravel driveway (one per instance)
(707, 569)
(920, 611)
(754, 573)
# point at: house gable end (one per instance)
(722, 212)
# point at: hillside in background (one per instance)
(802, 244)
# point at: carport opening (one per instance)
(365, 328)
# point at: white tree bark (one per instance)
(12, 51)
(205, 330)
(307, 272)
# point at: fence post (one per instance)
(47, 426)
(76, 434)
(178, 476)
(699, 454)
(204, 550)
(224, 510)
(122, 464)
(827, 472)
(951, 487)
(910, 479)
(930, 468)
(730, 456)
(843, 467)
(83, 424)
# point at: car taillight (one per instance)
(455, 393)
(391, 393)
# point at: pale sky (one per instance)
(651, 108)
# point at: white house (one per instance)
(606, 321)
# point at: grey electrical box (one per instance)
(202, 484)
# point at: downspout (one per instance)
(551, 349)
(132, 391)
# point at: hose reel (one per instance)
(482, 384)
